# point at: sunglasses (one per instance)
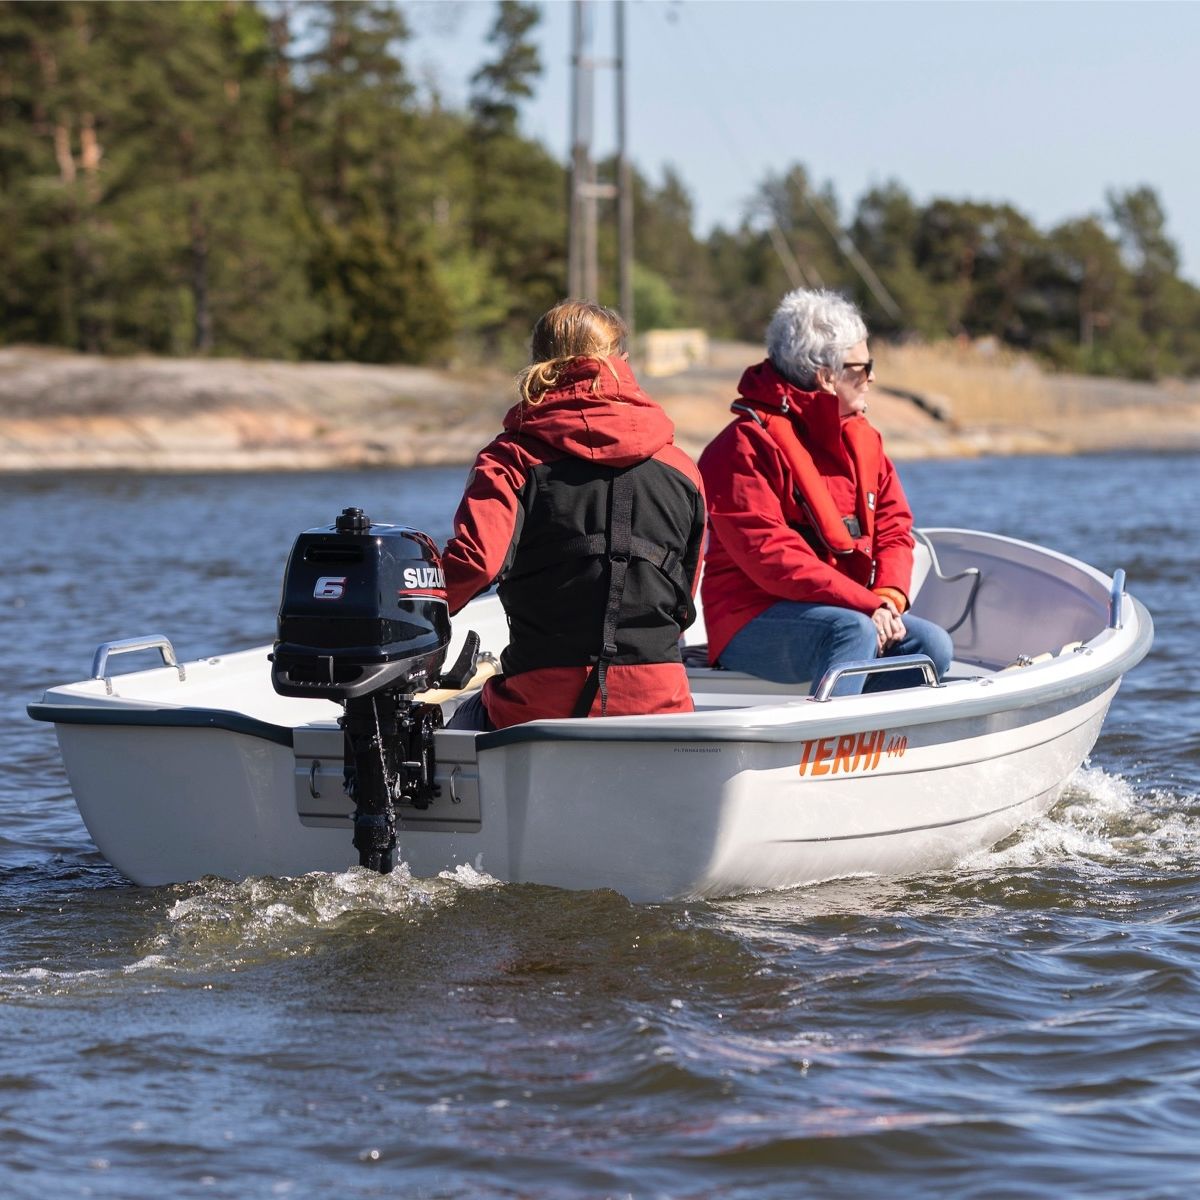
(869, 365)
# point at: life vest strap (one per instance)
(838, 532)
(595, 545)
(620, 537)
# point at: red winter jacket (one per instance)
(761, 547)
(535, 517)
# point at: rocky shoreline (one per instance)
(62, 412)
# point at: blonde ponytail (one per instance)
(570, 331)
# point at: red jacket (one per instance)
(543, 485)
(762, 548)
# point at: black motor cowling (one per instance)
(363, 608)
(364, 620)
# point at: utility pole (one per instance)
(582, 208)
(624, 184)
(585, 190)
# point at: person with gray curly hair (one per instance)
(810, 553)
(811, 332)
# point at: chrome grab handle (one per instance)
(150, 641)
(876, 666)
(1114, 599)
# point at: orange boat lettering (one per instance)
(851, 752)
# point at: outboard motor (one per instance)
(363, 620)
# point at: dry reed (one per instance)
(977, 384)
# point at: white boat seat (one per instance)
(709, 679)
(703, 679)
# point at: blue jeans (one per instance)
(471, 714)
(793, 642)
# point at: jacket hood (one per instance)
(617, 424)
(817, 412)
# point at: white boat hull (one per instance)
(752, 791)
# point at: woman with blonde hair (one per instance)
(592, 522)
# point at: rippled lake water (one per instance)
(1025, 1025)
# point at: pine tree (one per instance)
(885, 226)
(515, 211)
(156, 224)
(1092, 320)
(1153, 260)
(55, 93)
(672, 282)
(228, 218)
(357, 144)
(500, 85)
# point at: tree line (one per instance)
(267, 179)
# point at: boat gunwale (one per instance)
(942, 704)
(943, 707)
(182, 717)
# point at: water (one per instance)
(1027, 1024)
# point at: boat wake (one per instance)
(204, 929)
(1106, 837)
(1105, 831)
(265, 918)
(1102, 819)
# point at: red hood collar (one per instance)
(764, 387)
(617, 424)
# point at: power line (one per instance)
(779, 239)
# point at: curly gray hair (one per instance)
(811, 330)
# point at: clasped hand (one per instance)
(889, 628)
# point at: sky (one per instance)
(1045, 106)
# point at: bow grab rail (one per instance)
(149, 641)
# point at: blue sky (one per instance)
(1042, 105)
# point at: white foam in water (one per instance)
(149, 963)
(223, 923)
(40, 981)
(469, 877)
(1100, 818)
(263, 918)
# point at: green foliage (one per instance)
(499, 85)
(514, 211)
(252, 177)
(149, 220)
(381, 296)
(885, 229)
(655, 301)
(1093, 296)
(672, 283)
(356, 141)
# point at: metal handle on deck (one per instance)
(876, 666)
(1114, 599)
(149, 641)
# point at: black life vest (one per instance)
(598, 572)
